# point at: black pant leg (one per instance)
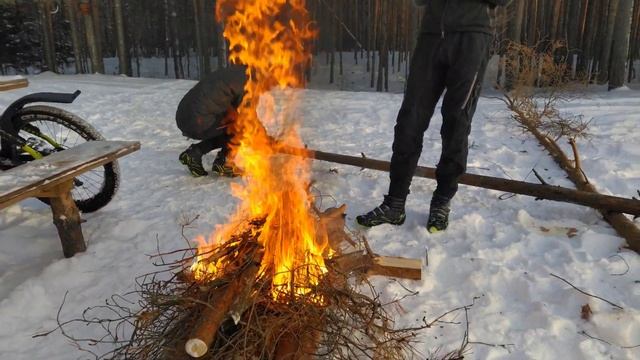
(424, 88)
(213, 143)
(468, 55)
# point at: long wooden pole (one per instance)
(544, 191)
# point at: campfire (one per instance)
(281, 279)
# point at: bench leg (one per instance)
(66, 218)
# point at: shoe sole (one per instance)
(377, 223)
(434, 230)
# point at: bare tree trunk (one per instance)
(222, 46)
(620, 49)
(47, 35)
(605, 56)
(332, 65)
(380, 45)
(166, 37)
(374, 25)
(123, 51)
(635, 40)
(73, 25)
(603, 14)
(573, 32)
(543, 31)
(97, 28)
(175, 41)
(591, 29)
(110, 33)
(532, 17)
(555, 20)
(515, 35)
(368, 35)
(339, 13)
(206, 13)
(97, 64)
(199, 46)
(356, 15)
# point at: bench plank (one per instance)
(32, 178)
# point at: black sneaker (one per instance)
(391, 211)
(439, 214)
(192, 158)
(221, 168)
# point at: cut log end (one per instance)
(196, 348)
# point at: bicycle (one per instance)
(32, 132)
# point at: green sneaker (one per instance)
(221, 168)
(192, 158)
(391, 211)
(438, 214)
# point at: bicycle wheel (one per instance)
(49, 129)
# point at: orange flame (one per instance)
(270, 37)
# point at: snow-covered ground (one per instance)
(497, 254)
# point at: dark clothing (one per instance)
(202, 111)
(456, 62)
(447, 16)
(216, 142)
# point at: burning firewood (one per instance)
(215, 313)
(233, 314)
(291, 341)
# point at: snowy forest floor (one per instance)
(497, 254)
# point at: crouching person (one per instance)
(206, 113)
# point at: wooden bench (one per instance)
(52, 177)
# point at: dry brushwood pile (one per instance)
(233, 314)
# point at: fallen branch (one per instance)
(623, 226)
(606, 203)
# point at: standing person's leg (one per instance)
(424, 87)
(467, 54)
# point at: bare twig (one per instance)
(582, 332)
(586, 293)
(539, 177)
(576, 155)
(625, 262)
(504, 346)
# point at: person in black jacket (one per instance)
(451, 53)
(205, 113)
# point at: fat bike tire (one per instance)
(92, 190)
